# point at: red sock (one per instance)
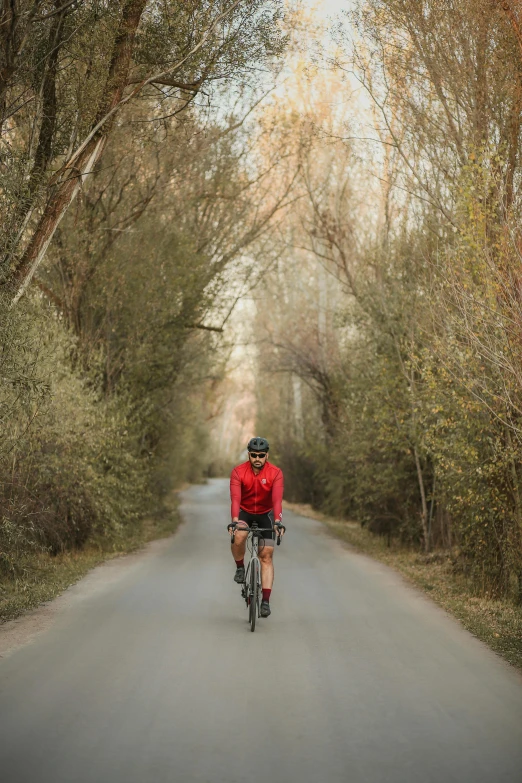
(240, 563)
(266, 594)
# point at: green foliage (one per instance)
(109, 371)
(70, 468)
(407, 341)
(426, 397)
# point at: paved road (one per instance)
(355, 678)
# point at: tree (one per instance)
(146, 57)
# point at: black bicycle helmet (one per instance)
(258, 444)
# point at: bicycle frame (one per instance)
(246, 592)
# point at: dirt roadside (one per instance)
(24, 629)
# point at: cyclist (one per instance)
(256, 492)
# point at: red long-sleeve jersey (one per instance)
(257, 494)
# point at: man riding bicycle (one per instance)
(256, 493)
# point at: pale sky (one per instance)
(329, 7)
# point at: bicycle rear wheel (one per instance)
(254, 594)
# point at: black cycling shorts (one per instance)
(263, 521)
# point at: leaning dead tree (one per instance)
(211, 42)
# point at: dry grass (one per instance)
(45, 577)
(497, 623)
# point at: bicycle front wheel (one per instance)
(254, 593)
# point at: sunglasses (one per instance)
(257, 456)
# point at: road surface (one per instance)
(153, 675)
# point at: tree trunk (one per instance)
(424, 504)
(298, 406)
(43, 132)
(518, 512)
(512, 142)
(55, 209)
(69, 179)
(49, 103)
(11, 46)
(507, 7)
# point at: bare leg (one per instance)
(267, 567)
(239, 546)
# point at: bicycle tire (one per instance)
(244, 589)
(254, 595)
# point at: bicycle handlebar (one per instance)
(234, 526)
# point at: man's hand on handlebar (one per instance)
(280, 531)
(231, 527)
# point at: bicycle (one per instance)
(251, 587)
